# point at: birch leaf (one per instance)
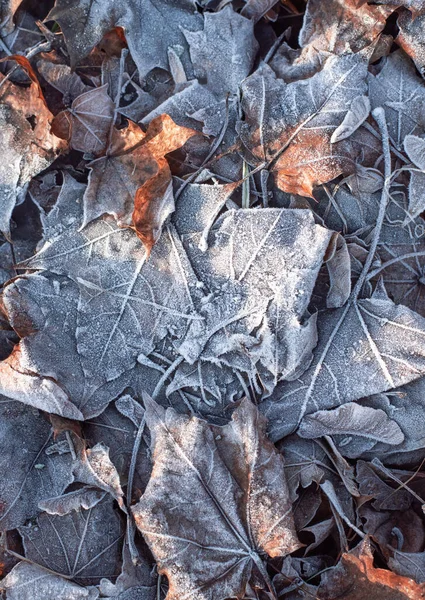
(233, 480)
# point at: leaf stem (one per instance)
(379, 116)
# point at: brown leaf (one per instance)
(355, 578)
(217, 498)
(27, 145)
(133, 181)
(61, 424)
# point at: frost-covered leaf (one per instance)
(27, 145)
(25, 447)
(85, 497)
(89, 121)
(120, 296)
(94, 467)
(411, 37)
(415, 150)
(224, 52)
(232, 481)
(85, 22)
(248, 293)
(292, 124)
(133, 180)
(67, 210)
(385, 497)
(61, 77)
(401, 92)
(367, 345)
(356, 578)
(305, 462)
(356, 116)
(352, 419)
(409, 564)
(83, 545)
(340, 26)
(30, 582)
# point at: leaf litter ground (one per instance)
(212, 269)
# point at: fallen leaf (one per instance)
(353, 357)
(133, 181)
(84, 23)
(223, 53)
(352, 419)
(241, 507)
(83, 546)
(30, 582)
(38, 474)
(290, 126)
(27, 143)
(340, 26)
(355, 578)
(88, 123)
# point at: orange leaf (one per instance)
(355, 578)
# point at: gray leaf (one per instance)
(84, 23)
(24, 443)
(399, 90)
(224, 52)
(292, 124)
(86, 498)
(94, 467)
(415, 150)
(409, 564)
(356, 116)
(83, 545)
(367, 345)
(31, 582)
(352, 419)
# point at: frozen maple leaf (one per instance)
(28, 146)
(340, 26)
(401, 92)
(133, 181)
(85, 22)
(355, 578)
(89, 355)
(367, 345)
(31, 582)
(217, 500)
(224, 52)
(38, 473)
(238, 270)
(84, 545)
(87, 124)
(289, 127)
